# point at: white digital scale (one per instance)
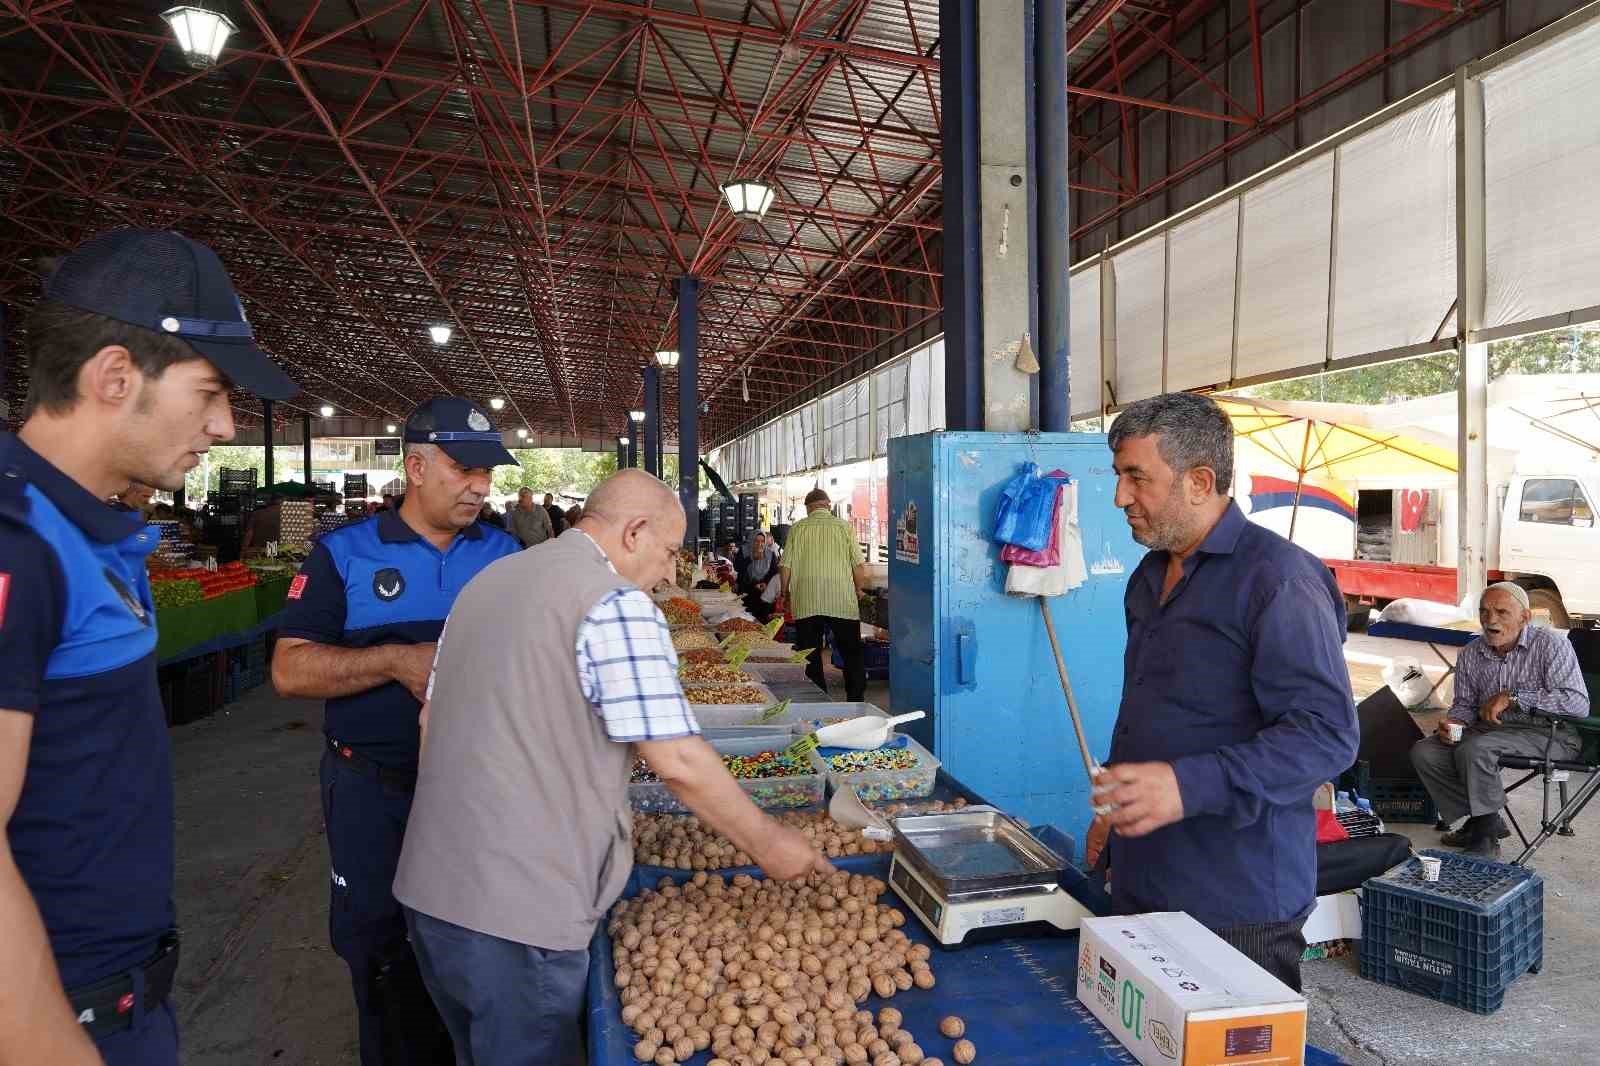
(978, 870)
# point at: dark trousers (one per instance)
(1276, 947)
(505, 1004)
(846, 634)
(152, 1040)
(366, 822)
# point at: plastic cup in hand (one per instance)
(1430, 867)
(1455, 729)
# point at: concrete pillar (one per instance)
(1472, 387)
(990, 268)
(689, 407)
(652, 420)
(1053, 201)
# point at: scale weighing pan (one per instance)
(976, 851)
(977, 870)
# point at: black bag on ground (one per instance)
(1346, 864)
(414, 1034)
(1387, 733)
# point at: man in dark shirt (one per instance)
(359, 630)
(558, 517)
(1236, 699)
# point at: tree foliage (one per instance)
(1567, 351)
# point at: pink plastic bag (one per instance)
(1050, 554)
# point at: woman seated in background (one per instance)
(759, 577)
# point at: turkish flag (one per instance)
(1413, 505)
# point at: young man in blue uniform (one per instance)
(133, 350)
(361, 623)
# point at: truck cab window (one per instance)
(1555, 501)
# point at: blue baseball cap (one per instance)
(462, 430)
(167, 283)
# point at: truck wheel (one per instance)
(1550, 600)
(1357, 614)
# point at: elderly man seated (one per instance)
(1511, 669)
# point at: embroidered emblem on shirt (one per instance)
(388, 584)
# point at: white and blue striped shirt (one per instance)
(628, 670)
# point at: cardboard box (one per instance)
(1174, 993)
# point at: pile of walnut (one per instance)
(683, 842)
(766, 971)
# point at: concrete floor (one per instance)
(259, 985)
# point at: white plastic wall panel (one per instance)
(1200, 298)
(1395, 275)
(919, 367)
(936, 411)
(1140, 278)
(1283, 296)
(1541, 156)
(1083, 352)
(889, 383)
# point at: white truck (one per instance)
(1545, 538)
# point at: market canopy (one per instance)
(1340, 450)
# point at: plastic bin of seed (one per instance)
(770, 778)
(885, 775)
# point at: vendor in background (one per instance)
(358, 630)
(266, 525)
(760, 572)
(1512, 668)
(1236, 699)
(501, 919)
(558, 517)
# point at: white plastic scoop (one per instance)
(847, 809)
(865, 733)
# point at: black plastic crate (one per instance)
(1462, 939)
(1394, 799)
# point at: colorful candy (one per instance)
(852, 762)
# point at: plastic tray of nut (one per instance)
(1018, 996)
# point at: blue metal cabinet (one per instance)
(979, 661)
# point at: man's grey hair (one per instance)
(1191, 431)
(427, 451)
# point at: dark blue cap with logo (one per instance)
(167, 283)
(462, 430)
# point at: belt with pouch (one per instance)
(405, 780)
(109, 1006)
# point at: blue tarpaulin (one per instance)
(1018, 997)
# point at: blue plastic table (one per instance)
(1018, 996)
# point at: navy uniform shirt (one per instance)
(376, 582)
(1239, 681)
(93, 829)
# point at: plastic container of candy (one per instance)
(883, 786)
(790, 790)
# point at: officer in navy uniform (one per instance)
(361, 622)
(134, 346)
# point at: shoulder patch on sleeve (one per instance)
(296, 587)
(5, 592)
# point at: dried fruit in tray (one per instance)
(701, 655)
(681, 611)
(712, 673)
(739, 625)
(686, 639)
(852, 762)
(684, 842)
(746, 767)
(718, 694)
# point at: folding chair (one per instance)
(1556, 771)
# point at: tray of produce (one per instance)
(713, 673)
(744, 694)
(680, 611)
(770, 777)
(690, 638)
(883, 775)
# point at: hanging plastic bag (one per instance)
(1027, 510)
(1050, 554)
(1066, 575)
